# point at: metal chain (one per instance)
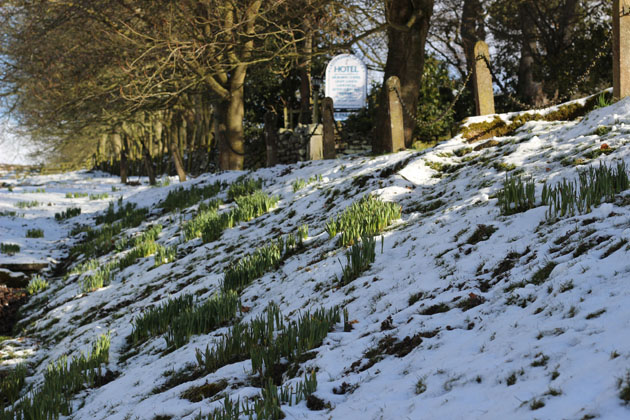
(423, 124)
(571, 91)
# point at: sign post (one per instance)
(346, 84)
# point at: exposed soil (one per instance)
(10, 302)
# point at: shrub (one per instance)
(35, 233)
(36, 285)
(366, 217)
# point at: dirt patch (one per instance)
(10, 301)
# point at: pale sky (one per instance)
(14, 149)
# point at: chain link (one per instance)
(579, 81)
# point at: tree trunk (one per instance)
(231, 133)
(528, 89)
(406, 36)
(124, 150)
(472, 29)
(148, 164)
(173, 148)
(305, 82)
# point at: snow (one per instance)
(549, 338)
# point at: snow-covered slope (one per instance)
(465, 314)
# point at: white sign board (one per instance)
(346, 82)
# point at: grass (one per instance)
(36, 284)
(268, 341)
(594, 186)
(76, 194)
(128, 212)
(11, 385)
(27, 204)
(360, 257)
(517, 195)
(243, 186)
(68, 213)
(366, 217)
(102, 277)
(9, 249)
(180, 319)
(62, 380)
(266, 258)
(35, 233)
(624, 388)
(182, 198)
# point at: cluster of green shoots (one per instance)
(367, 217)
(204, 216)
(62, 380)
(36, 285)
(182, 198)
(68, 213)
(9, 249)
(129, 212)
(165, 255)
(101, 196)
(76, 194)
(268, 341)
(180, 319)
(209, 224)
(266, 258)
(516, 195)
(593, 187)
(150, 234)
(101, 277)
(300, 183)
(37, 191)
(11, 385)
(267, 405)
(35, 233)
(244, 186)
(360, 256)
(101, 241)
(26, 204)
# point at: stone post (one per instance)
(328, 120)
(621, 48)
(482, 80)
(396, 123)
(271, 138)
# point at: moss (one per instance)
(485, 130)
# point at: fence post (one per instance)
(482, 80)
(271, 138)
(396, 124)
(328, 120)
(621, 48)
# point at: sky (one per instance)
(14, 149)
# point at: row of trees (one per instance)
(144, 78)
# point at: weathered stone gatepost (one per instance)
(271, 138)
(621, 48)
(397, 137)
(328, 120)
(482, 80)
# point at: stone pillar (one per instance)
(328, 120)
(397, 137)
(482, 80)
(271, 138)
(621, 48)
(314, 145)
